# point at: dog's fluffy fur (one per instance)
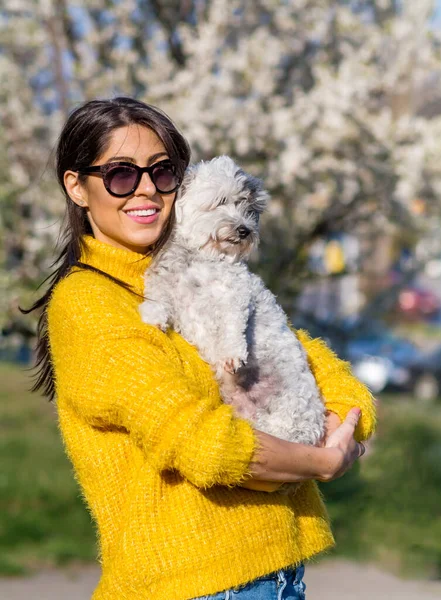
(200, 286)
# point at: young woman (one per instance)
(177, 484)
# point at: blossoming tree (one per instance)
(325, 100)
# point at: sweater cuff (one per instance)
(239, 463)
(215, 451)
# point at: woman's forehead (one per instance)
(134, 142)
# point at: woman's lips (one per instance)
(144, 216)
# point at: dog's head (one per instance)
(218, 208)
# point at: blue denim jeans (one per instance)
(286, 584)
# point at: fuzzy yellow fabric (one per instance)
(158, 455)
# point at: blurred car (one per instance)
(373, 371)
(416, 302)
(385, 345)
(381, 360)
(424, 380)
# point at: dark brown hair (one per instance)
(84, 138)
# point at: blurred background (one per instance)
(337, 106)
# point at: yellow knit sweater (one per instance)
(158, 455)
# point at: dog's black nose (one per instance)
(243, 232)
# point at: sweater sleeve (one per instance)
(340, 389)
(117, 373)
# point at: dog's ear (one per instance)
(189, 175)
(258, 195)
(178, 207)
(262, 199)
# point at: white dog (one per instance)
(199, 285)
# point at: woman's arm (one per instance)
(118, 374)
(277, 461)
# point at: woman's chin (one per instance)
(141, 241)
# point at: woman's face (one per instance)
(110, 217)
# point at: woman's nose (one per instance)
(146, 186)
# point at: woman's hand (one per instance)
(341, 448)
(332, 423)
(277, 461)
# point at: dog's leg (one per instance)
(294, 409)
(214, 313)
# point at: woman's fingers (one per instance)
(353, 417)
(344, 434)
(342, 439)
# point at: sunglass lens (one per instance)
(164, 178)
(121, 180)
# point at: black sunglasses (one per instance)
(122, 178)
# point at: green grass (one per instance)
(387, 509)
(42, 517)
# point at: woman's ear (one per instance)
(75, 190)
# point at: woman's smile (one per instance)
(143, 214)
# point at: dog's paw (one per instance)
(154, 314)
(232, 365)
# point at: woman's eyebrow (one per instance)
(120, 158)
(155, 157)
(150, 160)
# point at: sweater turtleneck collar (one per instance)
(120, 263)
